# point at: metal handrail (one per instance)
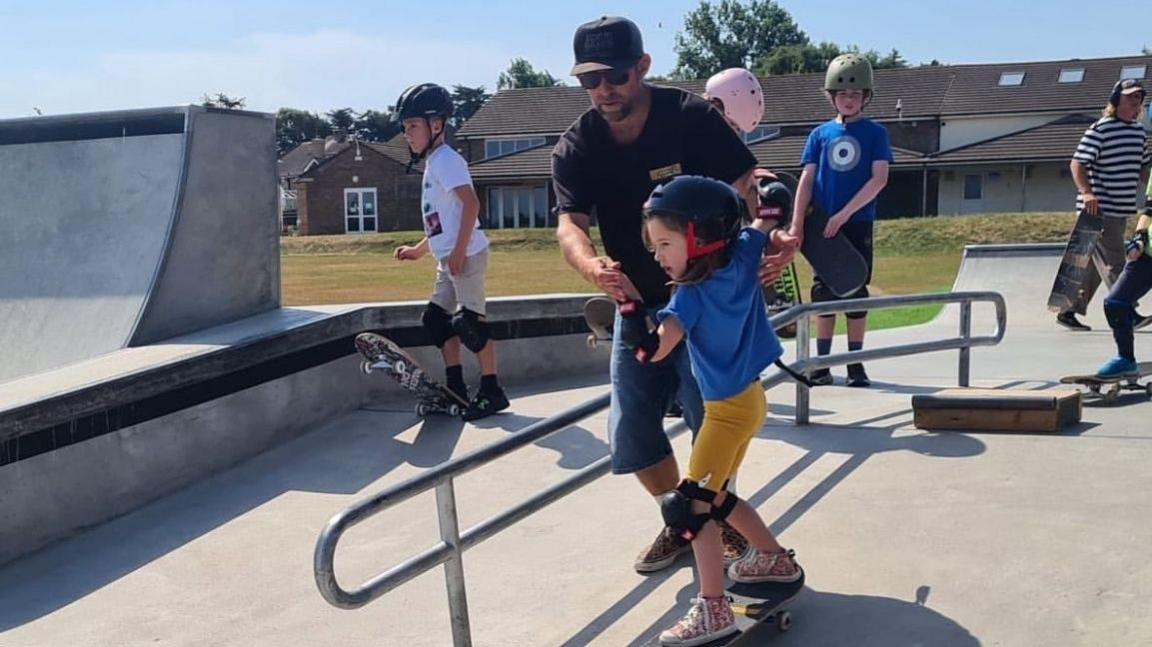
(450, 549)
(801, 316)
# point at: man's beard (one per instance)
(619, 115)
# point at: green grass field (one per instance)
(912, 256)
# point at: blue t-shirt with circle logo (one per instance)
(843, 155)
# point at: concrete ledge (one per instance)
(93, 441)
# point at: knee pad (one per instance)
(862, 293)
(676, 508)
(472, 329)
(1120, 314)
(820, 293)
(437, 323)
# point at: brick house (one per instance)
(966, 138)
(351, 187)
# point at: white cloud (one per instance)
(317, 71)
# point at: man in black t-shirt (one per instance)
(634, 138)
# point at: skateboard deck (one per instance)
(1079, 261)
(600, 315)
(783, 294)
(834, 259)
(1108, 389)
(382, 354)
(764, 602)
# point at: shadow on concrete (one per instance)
(859, 442)
(832, 619)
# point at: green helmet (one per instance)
(848, 72)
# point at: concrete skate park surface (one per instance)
(908, 538)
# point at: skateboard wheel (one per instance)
(366, 367)
(1111, 394)
(454, 410)
(784, 621)
(1148, 389)
(591, 341)
(421, 409)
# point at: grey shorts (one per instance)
(465, 289)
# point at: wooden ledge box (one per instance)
(996, 410)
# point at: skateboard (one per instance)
(382, 354)
(783, 294)
(1107, 389)
(1079, 261)
(764, 602)
(600, 315)
(834, 259)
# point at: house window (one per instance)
(761, 132)
(1011, 78)
(1071, 75)
(1132, 72)
(973, 187)
(359, 210)
(496, 147)
(512, 207)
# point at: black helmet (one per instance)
(712, 209)
(424, 100)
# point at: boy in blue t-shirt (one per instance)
(693, 225)
(845, 166)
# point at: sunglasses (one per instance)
(591, 80)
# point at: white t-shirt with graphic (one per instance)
(445, 170)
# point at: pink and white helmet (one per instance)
(739, 92)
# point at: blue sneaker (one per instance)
(1117, 367)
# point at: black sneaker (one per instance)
(857, 377)
(1069, 321)
(821, 377)
(485, 404)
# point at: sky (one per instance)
(66, 57)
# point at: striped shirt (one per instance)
(1114, 152)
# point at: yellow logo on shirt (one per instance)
(665, 172)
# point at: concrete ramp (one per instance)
(126, 228)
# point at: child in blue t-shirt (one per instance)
(845, 166)
(693, 227)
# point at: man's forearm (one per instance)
(575, 244)
(1080, 177)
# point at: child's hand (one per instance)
(406, 253)
(835, 223)
(456, 261)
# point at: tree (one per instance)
(294, 127)
(342, 120)
(222, 101)
(467, 101)
(521, 74)
(731, 33)
(892, 59)
(798, 59)
(375, 126)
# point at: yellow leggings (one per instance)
(729, 425)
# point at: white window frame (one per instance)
(361, 191)
(1133, 72)
(518, 144)
(1071, 75)
(1010, 80)
(497, 195)
(760, 133)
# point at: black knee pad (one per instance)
(1121, 315)
(472, 329)
(437, 323)
(862, 293)
(821, 292)
(676, 508)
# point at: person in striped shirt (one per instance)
(1108, 168)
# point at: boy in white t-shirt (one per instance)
(455, 314)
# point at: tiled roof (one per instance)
(783, 153)
(1054, 141)
(296, 161)
(535, 162)
(927, 91)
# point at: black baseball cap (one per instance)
(1131, 86)
(609, 42)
